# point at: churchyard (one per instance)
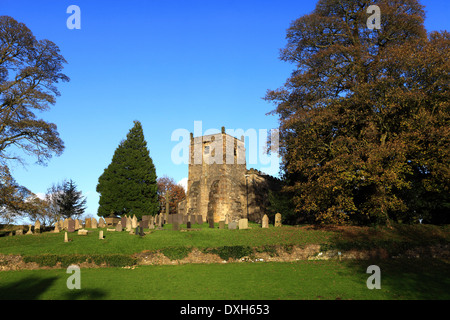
(213, 261)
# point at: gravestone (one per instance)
(37, 226)
(222, 224)
(141, 228)
(128, 224)
(136, 231)
(56, 230)
(265, 221)
(119, 227)
(66, 238)
(199, 219)
(70, 225)
(211, 223)
(19, 232)
(94, 223)
(82, 232)
(232, 225)
(151, 223)
(123, 221)
(100, 235)
(175, 225)
(188, 224)
(65, 224)
(101, 223)
(87, 223)
(29, 229)
(278, 220)
(243, 224)
(134, 223)
(77, 224)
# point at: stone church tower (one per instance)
(219, 185)
(216, 181)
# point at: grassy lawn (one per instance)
(204, 237)
(123, 243)
(330, 280)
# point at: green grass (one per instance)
(400, 279)
(123, 243)
(394, 240)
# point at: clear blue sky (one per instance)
(166, 64)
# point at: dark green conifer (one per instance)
(128, 185)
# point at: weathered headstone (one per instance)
(175, 225)
(101, 223)
(37, 226)
(56, 230)
(134, 223)
(119, 227)
(128, 224)
(77, 224)
(66, 238)
(243, 224)
(87, 223)
(100, 235)
(188, 224)
(211, 223)
(265, 221)
(70, 225)
(222, 224)
(19, 232)
(65, 224)
(94, 223)
(123, 221)
(82, 232)
(232, 225)
(141, 228)
(151, 223)
(278, 220)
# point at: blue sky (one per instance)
(166, 64)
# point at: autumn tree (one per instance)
(13, 197)
(29, 72)
(364, 115)
(128, 185)
(168, 189)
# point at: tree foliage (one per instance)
(364, 117)
(128, 185)
(29, 70)
(70, 201)
(169, 189)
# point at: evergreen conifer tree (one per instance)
(128, 185)
(70, 202)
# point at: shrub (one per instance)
(176, 253)
(233, 252)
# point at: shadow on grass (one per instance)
(29, 288)
(33, 288)
(407, 279)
